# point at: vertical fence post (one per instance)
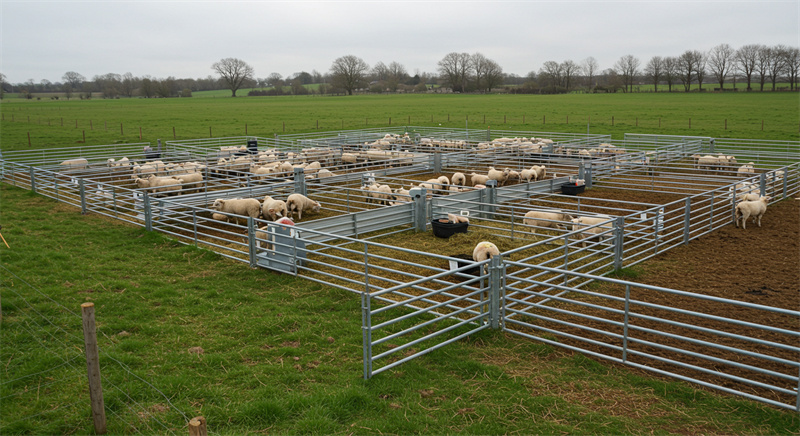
(588, 176)
(437, 160)
(711, 214)
(148, 214)
(300, 181)
(686, 220)
(762, 182)
(93, 368)
(82, 191)
(625, 323)
(495, 276)
(33, 179)
(785, 180)
(251, 241)
(491, 190)
(197, 426)
(619, 237)
(366, 333)
(419, 197)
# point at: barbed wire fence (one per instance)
(43, 372)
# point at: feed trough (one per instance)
(570, 188)
(443, 228)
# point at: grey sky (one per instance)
(44, 39)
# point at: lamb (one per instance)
(381, 194)
(586, 234)
(553, 220)
(457, 218)
(483, 251)
(747, 209)
(527, 175)
(158, 184)
(249, 207)
(190, 181)
(324, 173)
(300, 203)
(748, 197)
(273, 209)
(121, 164)
(500, 176)
(459, 179)
(312, 168)
(541, 171)
(75, 164)
(349, 158)
(261, 172)
(746, 169)
(478, 179)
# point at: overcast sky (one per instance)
(45, 39)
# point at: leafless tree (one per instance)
(670, 71)
(590, 67)
(2, 85)
(569, 69)
(276, 81)
(128, 85)
(454, 70)
(777, 63)
(487, 73)
(746, 59)
(687, 65)
(148, 87)
(380, 71)
(550, 76)
(792, 65)
(72, 81)
(654, 70)
(234, 72)
(762, 64)
(700, 68)
(627, 67)
(396, 74)
(720, 62)
(349, 73)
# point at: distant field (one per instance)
(51, 123)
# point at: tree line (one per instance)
(757, 65)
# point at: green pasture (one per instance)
(184, 332)
(33, 124)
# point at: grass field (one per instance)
(96, 122)
(258, 352)
(185, 332)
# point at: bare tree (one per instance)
(590, 67)
(454, 69)
(2, 85)
(720, 62)
(687, 65)
(654, 70)
(777, 63)
(627, 67)
(128, 85)
(396, 74)
(762, 64)
(700, 67)
(234, 72)
(670, 71)
(550, 76)
(487, 73)
(569, 69)
(72, 81)
(349, 73)
(276, 81)
(792, 65)
(746, 59)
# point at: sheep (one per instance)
(746, 169)
(457, 218)
(300, 203)
(514, 175)
(312, 168)
(324, 173)
(444, 181)
(249, 207)
(219, 217)
(483, 251)
(120, 164)
(380, 194)
(458, 179)
(527, 175)
(553, 220)
(75, 164)
(158, 184)
(478, 179)
(500, 176)
(708, 162)
(586, 234)
(349, 158)
(747, 209)
(261, 172)
(541, 171)
(189, 181)
(273, 209)
(748, 197)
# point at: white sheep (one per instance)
(746, 169)
(75, 164)
(500, 176)
(273, 209)
(455, 219)
(553, 220)
(324, 173)
(478, 179)
(541, 171)
(380, 194)
(527, 175)
(219, 217)
(459, 179)
(190, 181)
(157, 184)
(748, 197)
(588, 234)
(119, 164)
(249, 207)
(300, 203)
(483, 251)
(747, 209)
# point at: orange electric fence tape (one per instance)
(4, 239)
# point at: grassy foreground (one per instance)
(184, 332)
(35, 124)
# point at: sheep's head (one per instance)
(218, 204)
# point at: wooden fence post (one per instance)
(173, 132)
(197, 426)
(93, 368)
